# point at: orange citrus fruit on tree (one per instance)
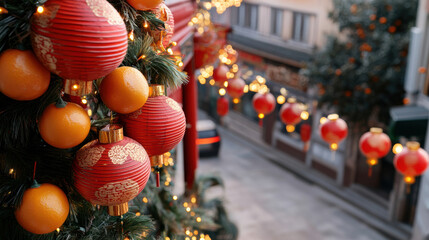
(144, 4)
(23, 77)
(64, 127)
(44, 208)
(124, 90)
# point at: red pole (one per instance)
(190, 107)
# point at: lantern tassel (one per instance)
(369, 171)
(408, 188)
(260, 122)
(157, 178)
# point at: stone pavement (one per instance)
(268, 202)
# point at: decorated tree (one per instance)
(360, 72)
(71, 71)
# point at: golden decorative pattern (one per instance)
(102, 8)
(115, 193)
(136, 114)
(88, 155)
(173, 104)
(136, 152)
(44, 19)
(118, 154)
(45, 51)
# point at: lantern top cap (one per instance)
(111, 133)
(376, 130)
(291, 100)
(413, 145)
(156, 90)
(333, 117)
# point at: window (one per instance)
(276, 21)
(246, 16)
(301, 27)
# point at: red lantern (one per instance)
(412, 161)
(374, 145)
(159, 125)
(235, 88)
(222, 106)
(79, 39)
(290, 112)
(220, 74)
(263, 103)
(333, 130)
(205, 48)
(305, 133)
(164, 14)
(112, 170)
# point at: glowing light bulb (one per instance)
(89, 112)
(174, 197)
(409, 180)
(246, 89)
(58, 230)
(281, 99)
(193, 200)
(145, 25)
(138, 214)
(372, 161)
(145, 200)
(188, 209)
(225, 84)
(305, 115)
(84, 101)
(222, 91)
(185, 204)
(212, 82)
(75, 87)
(334, 146)
(3, 10)
(11, 171)
(131, 35)
(397, 148)
(261, 115)
(198, 219)
(170, 51)
(322, 120)
(236, 100)
(290, 128)
(40, 9)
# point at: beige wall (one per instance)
(319, 27)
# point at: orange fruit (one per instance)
(124, 90)
(144, 4)
(43, 209)
(23, 77)
(64, 127)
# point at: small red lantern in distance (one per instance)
(305, 135)
(290, 113)
(222, 106)
(412, 161)
(235, 89)
(263, 103)
(374, 145)
(220, 74)
(333, 130)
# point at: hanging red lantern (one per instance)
(112, 170)
(205, 48)
(290, 112)
(220, 74)
(222, 106)
(79, 39)
(305, 133)
(164, 13)
(333, 130)
(411, 162)
(235, 88)
(159, 125)
(263, 103)
(374, 145)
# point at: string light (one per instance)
(84, 101)
(236, 100)
(222, 91)
(170, 51)
(281, 99)
(322, 120)
(40, 9)
(141, 57)
(174, 197)
(334, 146)
(225, 84)
(261, 115)
(11, 171)
(198, 219)
(290, 128)
(246, 89)
(145, 200)
(3, 10)
(75, 87)
(193, 200)
(283, 91)
(58, 230)
(305, 115)
(138, 214)
(188, 209)
(145, 25)
(185, 204)
(89, 112)
(397, 148)
(212, 82)
(131, 35)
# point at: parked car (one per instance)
(208, 140)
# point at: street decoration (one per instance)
(411, 162)
(374, 145)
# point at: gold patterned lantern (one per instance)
(112, 170)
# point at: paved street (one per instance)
(268, 202)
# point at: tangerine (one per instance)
(64, 127)
(44, 208)
(124, 90)
(144, 4)
(23, 76)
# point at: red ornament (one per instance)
(263, 103)
(220, 74)
(305, 133)
(235, 88)
(290, 112)
(164, 14)
(79, 39)
(112, 170)
(222, 106)
(205, 48)
(412, 161)
(159, 125)
(333, 130)
(374, 145)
